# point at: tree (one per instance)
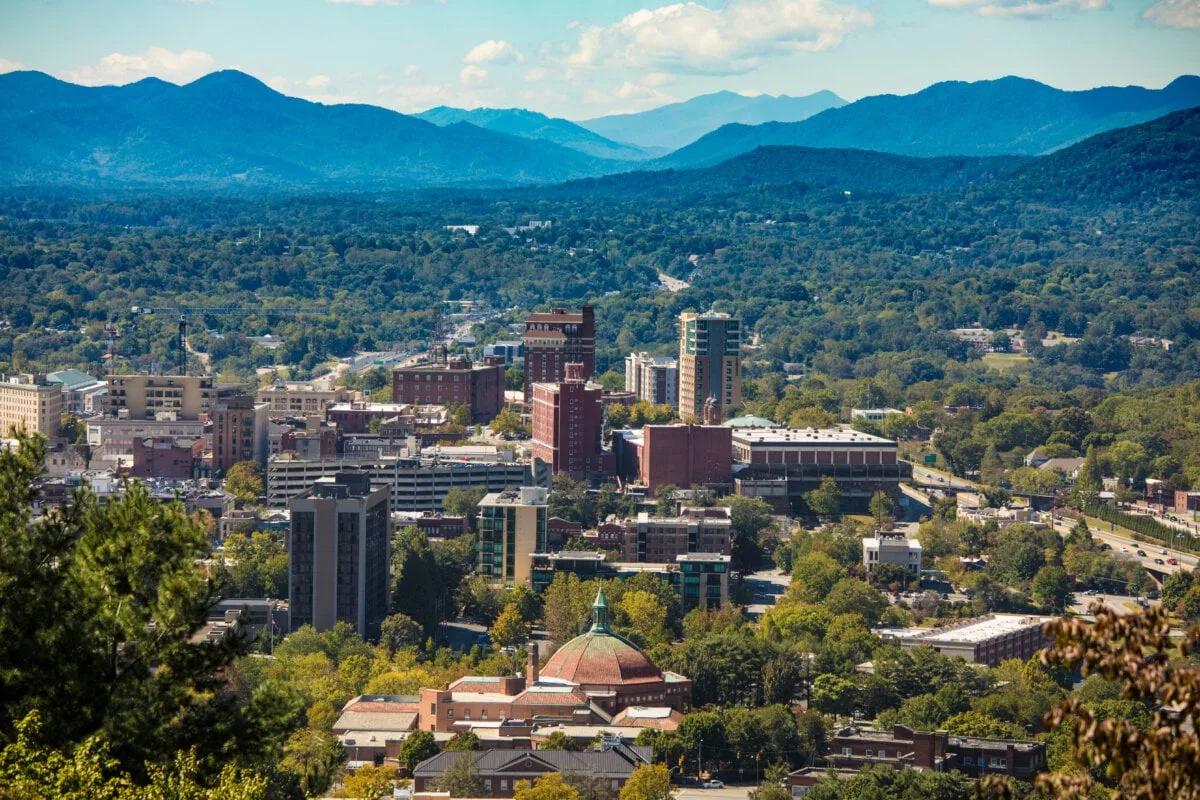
(1051, 587)
(646, 615)
(977, 723)
(825, 499)
(460, 502)
(749, 517)
(463, 740)
(245, 482)
(461, 778)
(850, 596)
(419, 746)
(991, 470)
(883, 509)
(1132, 650)
(510, 628)
(648, 782)
(551, 786)
(590, 787)
(398, 631)
(369, 782)
(834, 694)
(507, 422)
(1127, 459)
(314, 757)
(1090, 480)
(557, 740)
(813, 575)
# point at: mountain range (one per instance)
(228, 130)
(1009, 116)
(672, 126)
(534, 125)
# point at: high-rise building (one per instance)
(338, 555)
(148, 396)
(30, 403)
(512, 527)
(239, 430)
(554, 339)
(301, 397)
(567, 422)
(654, 379)
(709, 362)
(453, 381)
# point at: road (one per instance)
(1124, 545)
(728, 793)
(937, 477)
(1121, 604)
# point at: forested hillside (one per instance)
(850, 285)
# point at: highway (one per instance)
(1124, 545)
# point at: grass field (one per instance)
(1007, 362)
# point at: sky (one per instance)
(585, 59)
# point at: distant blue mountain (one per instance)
(534, 125)
(1009, 116)
(672, 126)
(228, 129)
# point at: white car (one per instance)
(713, 784)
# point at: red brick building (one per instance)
(567, 421)
(685, 455)
(453, 381)
(165, 456)
(904, 748)
(554, 339)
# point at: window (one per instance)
(503, 784)
(846, 751)
(870, 752)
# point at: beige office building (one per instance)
(301, 398)
(147, 396)
(29, 403)
(512, 527)
(709, 363)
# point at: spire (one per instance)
(600, 613)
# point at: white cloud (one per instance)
(493, 51)
(411, 70)
(318, 82)
(1174, 13)
(534, 75)
(9, 66)
(472, 74)
(735, 38)
(1022, 8)
(177, 66)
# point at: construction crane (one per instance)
(185, 312)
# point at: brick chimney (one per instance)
(531, 663)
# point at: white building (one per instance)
(873, 414)
(892, 548)
(654, 379)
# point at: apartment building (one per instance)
(239, 430)
(657, 539)
(453, 381)
(892, 547)
(985, 640)
(568, 419)
(512, 527)
(554, 339)
(338, 555)
(654, 379)
(29, 402)
(149, 396)
(902, 747)
(301, 398)
(709, 363)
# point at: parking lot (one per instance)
(728, 793)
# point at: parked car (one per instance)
(713, 783)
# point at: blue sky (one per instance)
(577, 59)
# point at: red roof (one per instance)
(600, 658)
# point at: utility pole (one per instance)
(700, 757)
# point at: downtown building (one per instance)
(414, 483)
(675, 455)
(239, 430)
(453, 381)
(30, 403)
(710, 366)
(160, 396)
(780, 465)
(568, 418)
(654, 379)
(338, 555)
(554, 339)
(512, 527)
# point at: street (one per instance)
(728, 793)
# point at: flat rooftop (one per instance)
(807, 436)
(972, 631)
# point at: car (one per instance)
(1141, 553)
(713, 784)
(1124, 549)
(1172, 560)
(1163, 551)
(1158, 561)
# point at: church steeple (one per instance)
(600, 613)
